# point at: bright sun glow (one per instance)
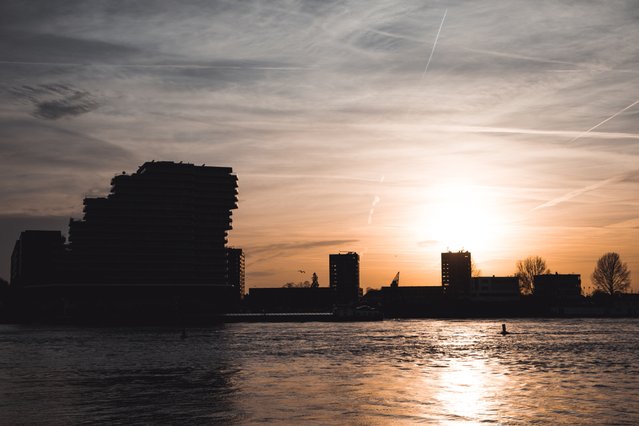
(458, 216)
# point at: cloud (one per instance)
(427, 243)
(261, 273)
(508, 55)
(47, 145)
(46, 47)
(305, 245)
(259, 254)
(458, 128)
(54, 101)
(626, 224)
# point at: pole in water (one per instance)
(503, 330)
(183, 335)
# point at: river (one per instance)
(581, 371)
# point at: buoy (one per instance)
(503, 330)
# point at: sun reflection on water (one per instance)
(462, 389)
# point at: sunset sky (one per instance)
(395, 129)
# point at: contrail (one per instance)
(577, 192)
(376, 200)
(434, 44)
(605, 121)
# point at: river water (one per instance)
(390, 372)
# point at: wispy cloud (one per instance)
(303, 245)
(54, 101)
(456, 128)
(228, 66)
(509, 55)
(263, 253)
(310, 176)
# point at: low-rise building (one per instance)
(494, 289)
(292, 299)
(411, 300)
(557, 288)
(37, 258)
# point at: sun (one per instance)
(460, 216)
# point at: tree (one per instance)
(474, 270)
(304, 284)
(526, 271)
(611, 275)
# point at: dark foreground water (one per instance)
(391, 372)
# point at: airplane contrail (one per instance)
(577, 192)
(434, 44)
(376, 201)
(605, 121)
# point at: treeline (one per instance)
(611, 275)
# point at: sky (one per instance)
(396, 129)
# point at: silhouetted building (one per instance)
(494, 289)
(411, 301)
(37, 258)
(235, 258)
(557, 288)
(344, 276)
(153, 249)
(166, 224)
(456, 274)
(291, 299)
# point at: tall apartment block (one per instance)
(166, 224)
(456, 273)
(344, 276)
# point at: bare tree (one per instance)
(474, 270)
(526, 271)
(611, 275)
(301, 284)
